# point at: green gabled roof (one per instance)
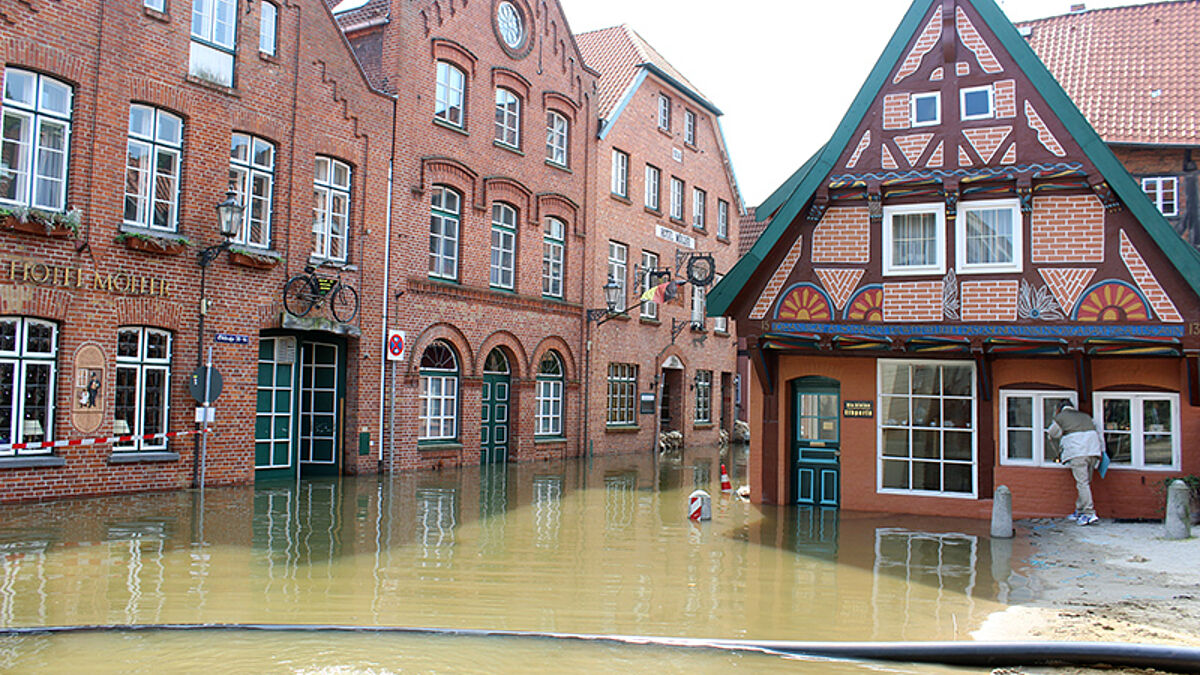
(787, 202)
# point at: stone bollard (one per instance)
(1002, 526)
(1178, 520)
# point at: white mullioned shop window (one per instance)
(622, 394)
(143, 387)
(549, 417)
(437, 418)
(1025, 415)
(926, 424)
(1141, 429)
(35, 112)
(28, 354)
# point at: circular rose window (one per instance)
(508, 22)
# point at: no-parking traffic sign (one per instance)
(396, 344)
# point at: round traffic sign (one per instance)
(395, 345)
(196, 384)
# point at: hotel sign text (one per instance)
(64, 276)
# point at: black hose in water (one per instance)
(978, 654)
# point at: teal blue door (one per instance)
(319, 407)
(816, 441)
(494, 409)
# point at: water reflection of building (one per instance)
(437, 517)
(547, 510)
(947, 562)
(620, 499)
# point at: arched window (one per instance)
(451, 90)
(438, 412)
(553, 249)
(557, 129)
(36, 114)
(508, 118)
(504, 245)
(444, 219)
(550, 395)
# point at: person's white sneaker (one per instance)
(1087, 519)
(1074, 517)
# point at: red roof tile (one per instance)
(1133, 71)
(617, 53)
(749, 230)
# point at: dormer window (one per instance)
(977, 103)
(925, 109)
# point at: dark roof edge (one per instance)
(785, 204)
(687, 91)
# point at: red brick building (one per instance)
(1129, 71)
(111, 163)
(664, 190)
(961, 256)
(490, 228)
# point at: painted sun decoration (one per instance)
(805, 302)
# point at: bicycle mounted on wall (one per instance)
(306, 291)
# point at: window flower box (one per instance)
(41, 223)
(258, 260)
(149, 243)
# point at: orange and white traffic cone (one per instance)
(726, 486)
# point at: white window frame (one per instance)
(699, 306)
(214, 40)
(653, 187)
(449, 104)
(553, 257)
(881, 425)
(689, 127)
(649, 265)
(621, 403)
(156, 5)
(890, 268)
(503, 265)
(1041, 453)
(699, 208)
(445, 400)
(618, 269)
(664, 112)
(704, 387)
(268, 28)
(912, 109)
(443, 244)
(722, 219)
(141, 364)
(331, 223)
(676, 198)
(35, 116)
(548, 421)
(1156, 189)
(720, 323)
(962, 103)
(252, 178)
(620, 173)
(961, 264)
(1137, 431)
(558, 138)
(149, 180)
(508, 118)
(22, 358)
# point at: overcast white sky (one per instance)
(782, 71)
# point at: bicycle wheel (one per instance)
(299, 296)
(344, 303)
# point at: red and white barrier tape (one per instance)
(99, 440)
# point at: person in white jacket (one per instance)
(1081, 446)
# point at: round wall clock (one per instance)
(509, 25)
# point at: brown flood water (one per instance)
(598, 547)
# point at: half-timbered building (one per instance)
(963, 254)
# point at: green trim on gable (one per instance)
(788, 201)
(807, 182)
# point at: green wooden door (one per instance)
(493, 430)
(816, 440)
(275, 409)
(319, 405)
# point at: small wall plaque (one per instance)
(87, 394)
(858, 408)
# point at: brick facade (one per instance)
(843, 236)
(1067, 229)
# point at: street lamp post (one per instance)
(229, 221)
